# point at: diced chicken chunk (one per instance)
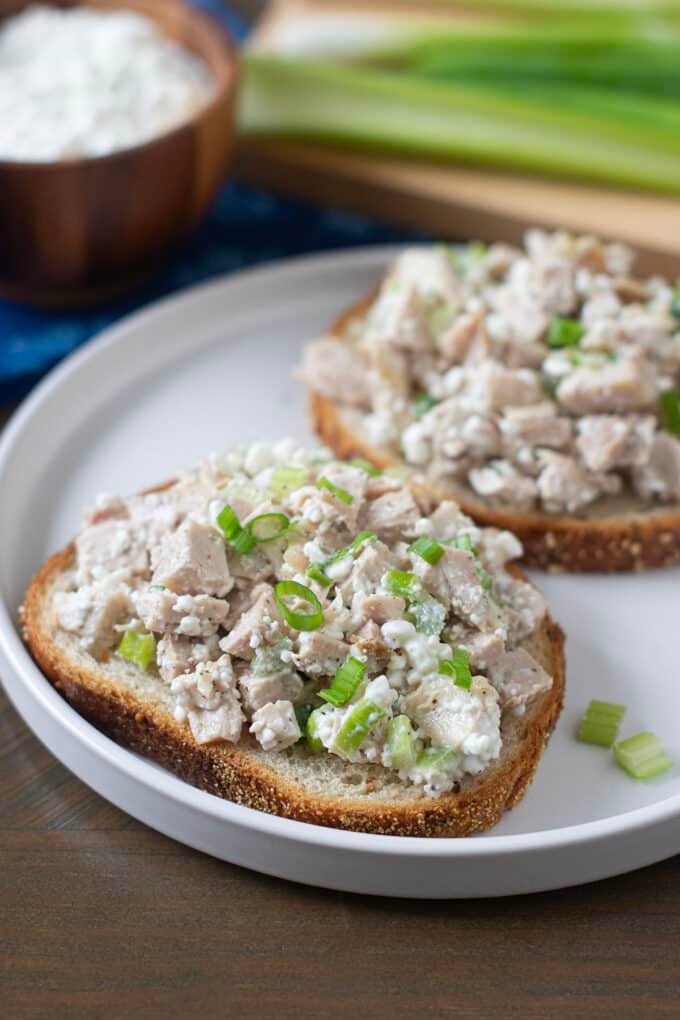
(397, 319)
(518, 678)
(369, 644)
(92, 612)
(111, 545)
(429, 271)
(457, 342)
(275, 726)
(260, 625)
(627, 384)
(448, 520)
(320, 654)
(465, 721)
(379, 608)
(392, 516)
(483, 647)
(258, 691)
(607, 441)
(336, 371)
(501, 482)
(536, 425)
(525, 607)
(497, 387)
(525, 318)
(455, 582)
(176, 655)
(369, 567)
(210, 700)
(190, 615)
(660, 477)
(564, 484)
(192, 560)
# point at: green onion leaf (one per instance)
(427, 549)
(600, 723)
(314, 743)
(675, 302)
(316, 573)
(670, 411)
(285, 480)
(401, 743)
(239, 539)
(295, 619)
(422, 404)
(345, 682)
(642, 756)
(401, 582)
(138, 648)
(302, 714)
(465, 543)
(358, 724)
(364, 465)
(268, 527)
(335, 490)
(458, 667)
(564, 333)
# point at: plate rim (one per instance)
(26, 672)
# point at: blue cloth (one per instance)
(242, 228)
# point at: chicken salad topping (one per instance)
(312, 605)
(544, 379)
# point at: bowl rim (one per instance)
(225, 76)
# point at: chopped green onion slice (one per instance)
(486, 580)
(285, 480)
(302, 714)
(642, 756)
(268, 527)
(314, 742)
(435, 757)
(345, 682)
(294, 618)
(670, 410)
(138, 648)
(458, 667)
(157, 587)
(401, 742)
(317, 571)
(465, 543)
(438, 318)
(364, 465)
(600, 724)
(239, 539)
(358, 724)
(564, 333)
(422, 404)
(675, 302)
(402, 583)
(335, 490)
(427, 549)
(243, 543)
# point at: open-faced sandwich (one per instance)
(308, 637)
(538, 388)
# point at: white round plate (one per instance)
(212, 368)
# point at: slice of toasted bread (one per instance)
(135, 709)
(618, 533)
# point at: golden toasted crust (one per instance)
(628, 541)
(236, 773)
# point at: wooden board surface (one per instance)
(102, 918)
(449, 201)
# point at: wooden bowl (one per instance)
(81, 230)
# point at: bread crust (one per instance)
(235, 772)
(628, 542)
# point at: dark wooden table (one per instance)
(101, 917)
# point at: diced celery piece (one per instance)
(138, 648)
(428, 615)
(358, 724)
(314, 742)
(642, 756)
(401, 742)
